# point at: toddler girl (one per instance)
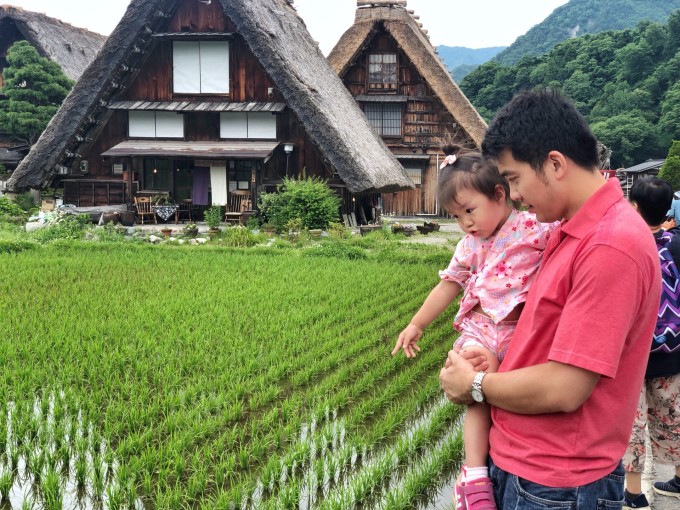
(493, 265)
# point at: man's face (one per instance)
(533, 190)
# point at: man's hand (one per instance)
(456, 378)
(407, 340)
(476, 356)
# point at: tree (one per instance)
(669, 122)
(629, 135)
(34, 88)
(670, 170)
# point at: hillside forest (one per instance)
(626, 83)
(580, 17)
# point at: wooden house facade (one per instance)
(202, 99)
(390, 67)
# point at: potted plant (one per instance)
(213, 217)
(162, 199)
(191, 229)
(166, 231)
(367, 229)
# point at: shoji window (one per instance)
(201, 67)
(260, 125)
(144, 124)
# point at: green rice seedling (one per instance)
(81, 469)
(65, 456)
(197, 484)
(13, 454)
(6, 484)
(98, 478)
(147, 483)
(52, 491)
(27, 503)
(114, 497)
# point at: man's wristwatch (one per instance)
(476, 391)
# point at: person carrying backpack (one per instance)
(659, 406)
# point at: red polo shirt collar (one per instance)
(591, 213)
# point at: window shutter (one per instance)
(214, 67)
(186, 67)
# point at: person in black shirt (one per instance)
(659, 407)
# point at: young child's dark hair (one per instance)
(534, 123)
(653, 197)
(469, 170)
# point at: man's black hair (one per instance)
(536, 122)
(653, 197)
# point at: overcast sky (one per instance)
(470, 23)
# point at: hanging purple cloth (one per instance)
(199, 194)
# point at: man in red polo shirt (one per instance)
(564, 398)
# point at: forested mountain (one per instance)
(626, 82)
(581, 17)
(461, 60)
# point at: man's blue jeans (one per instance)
(514, 493)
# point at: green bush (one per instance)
(11, 212)
(68, 226)
(240, 237)
(309, 199)
(16, 245)
(25, 201)
(213, 216)
(670, 171)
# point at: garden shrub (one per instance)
(309, 199)
(240, 237)
(16, 245)
(11, 212)
(67, 226)
(26, 202)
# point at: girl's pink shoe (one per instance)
(459, 496)
(478, 495)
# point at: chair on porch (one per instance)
(238, 202)
(185, 208)
(143, 208)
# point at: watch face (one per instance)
(477, 395)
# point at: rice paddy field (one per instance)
(154, 377)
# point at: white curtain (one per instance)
(218, 184)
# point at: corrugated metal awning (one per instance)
(198, 106)
(381, 98)
(217, 150)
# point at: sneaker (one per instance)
(670, 488)
(459, 496)
(479, 495)
(633, 501)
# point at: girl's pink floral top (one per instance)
(496, 272)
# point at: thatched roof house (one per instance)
(390, 67)
(71, 47)
(295, 78)
(393, 18)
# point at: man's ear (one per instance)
(635, 205)
(556, 163)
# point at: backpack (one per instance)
(666, 337)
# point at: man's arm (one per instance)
(545, 388)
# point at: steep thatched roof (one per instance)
(280, 41)
(403, 25)
(71, 47)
